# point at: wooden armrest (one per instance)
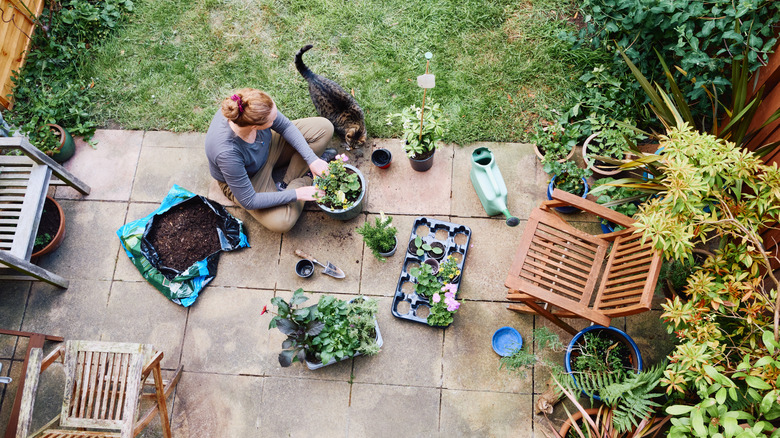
(33, 373)
(592, 207)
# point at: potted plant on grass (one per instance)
(329, 331)
(344, 189)
(380, 238)
(421, 132)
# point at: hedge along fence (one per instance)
(16, 30)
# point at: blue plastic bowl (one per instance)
(506, 340)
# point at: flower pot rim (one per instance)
(358, 201)
(540, 155)
(56, 241)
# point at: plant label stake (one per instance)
(425, 81)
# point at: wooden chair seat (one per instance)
(557, 268)
(103, 388)
(24, 181)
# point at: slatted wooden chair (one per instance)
(557, 267)
(24, 181)
(104, 383)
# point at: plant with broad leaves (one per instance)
(340, 186)
(426, 282)
(300, 324)
(420, 247)
(420, 138)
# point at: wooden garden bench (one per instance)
(24, 182)
(557, 268)
(104, 384)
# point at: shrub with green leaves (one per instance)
(380, 237)
(52, 86)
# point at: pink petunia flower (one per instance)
(436, 298)
(450, 288)
(453, 306)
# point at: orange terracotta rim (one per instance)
(575, 417)
(58, 238)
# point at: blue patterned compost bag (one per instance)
(183, 287)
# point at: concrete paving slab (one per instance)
(517, 164)
(255, 267)
(108, 169)
(148, 318)
(493, 414)
(125, 270)
(469, 362)
(12, 308)
(218, 405)
(400, 189)
(648, 330)
(226, 335)
(90, 246)
(492, 249)
(393, 411)
(327, 240)
(287, 416)
(165, 139)
(340, 371)
(78, 312)
(160, 168)
(381, 278)
(411, 354)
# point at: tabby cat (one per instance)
(335, 104)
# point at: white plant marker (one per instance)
(425, 81)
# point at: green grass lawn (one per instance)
(498, 63)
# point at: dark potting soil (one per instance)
(185, 234)
(50, 223)
(424, 155)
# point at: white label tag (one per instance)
(426, 81)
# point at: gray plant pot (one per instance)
(392, 251)
(357, 208)
(379, 342)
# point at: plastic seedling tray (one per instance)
(455, 238)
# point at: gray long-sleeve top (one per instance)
(234, 161)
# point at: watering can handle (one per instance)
(486, 153)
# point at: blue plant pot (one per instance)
(607, 226)
(636, 356)
(566, 210)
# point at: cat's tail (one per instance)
(302, 69)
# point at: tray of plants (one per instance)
(431, 272)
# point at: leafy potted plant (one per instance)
(380, 238)
(421, 132)
(441, 295)
(419, 247)
(344, 189)
(607, 146)
(568, 177)
(327, 332)
(556, 141)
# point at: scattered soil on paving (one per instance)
(185, 234)
(50, 223)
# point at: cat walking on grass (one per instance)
(335, 104)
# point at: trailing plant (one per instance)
(51, 87)
(613, 137)
(420, 139)
(520, 360)
(701, 37)
(604, 94)
(340, 186)
(43, 239)
(380, 237)
(600, 355)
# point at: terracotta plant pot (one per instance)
(540, 155)
(56, 241)
(576, 417)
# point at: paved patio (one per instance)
(425, 381)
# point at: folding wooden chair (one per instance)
(24, 181)
(104, 384)
(557, 267)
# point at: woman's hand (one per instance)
(307, 193)
(318, 167)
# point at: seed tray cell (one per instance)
(455, 238)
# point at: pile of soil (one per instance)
(50, 223)
(185, 234)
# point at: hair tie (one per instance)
(237, 99)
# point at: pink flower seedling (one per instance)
(436, 298)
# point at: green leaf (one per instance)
(721, 395)
(769, 341)
(697, 421)
(757, 383)
(678, 410)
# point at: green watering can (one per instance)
(489, 184)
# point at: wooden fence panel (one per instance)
(16, 27)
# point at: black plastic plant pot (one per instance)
(424, 164)
(413, 247)
(304, 268)
(634, 356)
(381, 158)
(434, 265)
(440, 255)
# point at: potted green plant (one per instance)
(421, 133)
(556, 141)
(608, 144)
(419, 247)
(568, 177)
(329, 331)
(51, 229)
(380, 238)
(441, 296)
(344, 189)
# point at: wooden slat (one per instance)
(555, 271)
(576, 265)
(558, 301)
(558, 245)
(554, 287)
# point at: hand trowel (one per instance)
(329, 269)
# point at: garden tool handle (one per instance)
(303, 255)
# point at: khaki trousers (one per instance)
(317, 131)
